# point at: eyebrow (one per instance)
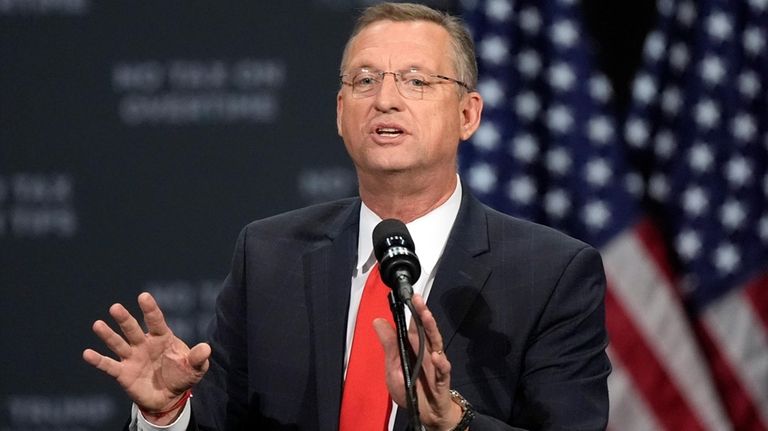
(367, 65)
(411, 67)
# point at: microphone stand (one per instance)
(398, 312)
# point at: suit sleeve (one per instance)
(564, 380)
(220, 399)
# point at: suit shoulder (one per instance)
(308, 223)
(507, 227)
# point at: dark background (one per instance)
(112, 182)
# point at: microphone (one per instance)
(400, 268)
(398, 264)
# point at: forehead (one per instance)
(396, 45)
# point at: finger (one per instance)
(388, 339)
(198, 357)
(437, 368)
(413, 338)
(442, 371)
(111, 339)
(394, 376)
(153, 316)
(425, 380)
(130, 327)
(434, 338)
(103, 363)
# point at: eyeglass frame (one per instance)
(397, 76)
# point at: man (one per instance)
(515, 320)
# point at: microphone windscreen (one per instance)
(390, 233)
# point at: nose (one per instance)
(388, 97)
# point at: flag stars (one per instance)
(707, 114)
(658, 187)
(644, 89)
(679, 56)
(754, 41)
(712, 70)
(598, 172)
(530, 21)
(529, 63)
(759, 5)
(522, 190)
(700, 158)
(695, 201)
(762, 228)
(666, 7)
(634, 185)
(492, 92)
(738, 171)
(600, 88)
(525, 148)
(498, 10)
(671, 101)
(564, 34)
(719, 26)
(561, 77)
(487, 137)
(527, 105)
(743, 127)
(637, 132)
(726, 258)
(482, 177)
(732, 214)
(665, 145)
(686, 13)
(749, 84)
(558, 161)
(557, 203)
(655, 46)
(559, 119)
(600, 129)
(494, 50)
(688, 244)
(596, 215)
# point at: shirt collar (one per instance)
(429, 232)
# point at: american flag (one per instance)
(674, 194)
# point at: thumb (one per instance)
(198, 357)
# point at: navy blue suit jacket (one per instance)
(520, 307)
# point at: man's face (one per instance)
(386, 132)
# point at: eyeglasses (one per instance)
(411, 83)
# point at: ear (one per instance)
(339, 111)
(471, 111)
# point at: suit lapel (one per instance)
(461, 275)
(328, 273)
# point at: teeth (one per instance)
(388, 131)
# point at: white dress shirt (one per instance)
(430, 234)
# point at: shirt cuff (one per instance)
(140, 423)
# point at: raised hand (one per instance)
(436, 409)
(155, 368)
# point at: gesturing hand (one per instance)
(436, 409)
(154, 369)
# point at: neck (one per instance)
(404, 197)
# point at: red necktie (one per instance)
(365, 404)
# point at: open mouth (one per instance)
(389, 131)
